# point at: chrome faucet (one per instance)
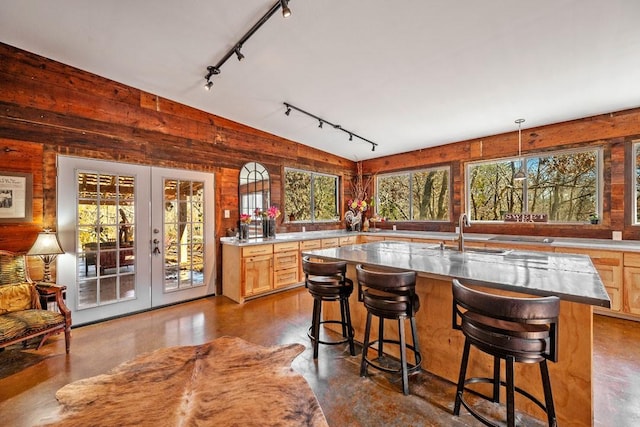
(464, 221)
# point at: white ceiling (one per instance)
(405, 74)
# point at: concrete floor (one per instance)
(30, 378)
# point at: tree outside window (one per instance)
(636, 147)
(310, 196)
(414, 196)
(564, 185)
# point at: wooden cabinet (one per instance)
(368, 238)
(330, 243)
(347, 240)
(257, 269)
(307, 245)
(610, 268)
(286, 261)
(631, 290)
(257, 274)
(246, 271)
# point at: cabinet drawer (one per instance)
(632, 259)
(310, 244)
(285, 260)
(330, 243)
(632, 290)
(367, 239)
(257, 250)
(285, 247)
(285, 277)
(347, 240)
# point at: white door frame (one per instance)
(148, 268)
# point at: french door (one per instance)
(135, 237)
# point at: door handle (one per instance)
(156, 249)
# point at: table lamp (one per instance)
(46, 246)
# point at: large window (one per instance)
(563, 185)
(636, 171)
(310, 196)
(414, 196)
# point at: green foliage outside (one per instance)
(310, 196)
(564, 186)
(415, 196)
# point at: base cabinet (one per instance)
(631, 294)
(610, 268)
(286, 259)
(257, 274)
(251, 271)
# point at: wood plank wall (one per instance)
(613, 132)
(48, 108)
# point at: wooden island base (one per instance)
(441, 347)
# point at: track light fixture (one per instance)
(286, 12)
(208, 85)
(321, 121)
(215, 69)
(239, 54)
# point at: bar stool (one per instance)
(521, 330)
(327, 281)
(389, 295)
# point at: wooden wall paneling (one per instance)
(16, 156)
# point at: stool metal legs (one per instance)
(405, 368)
(511, 389)
(345, 322)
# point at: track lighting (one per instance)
(215, 69)
(521, 174)
(208, 85)
(322, 121)
(239, 54)
(286, 12)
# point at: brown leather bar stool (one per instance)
(389, 295)
(327, 281)
(523, 330)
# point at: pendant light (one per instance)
(520, 175)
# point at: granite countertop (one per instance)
(521, 241)
(570, 277)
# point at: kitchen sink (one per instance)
(494, 251)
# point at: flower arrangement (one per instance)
(357, 205)
(273, 212)
(245, 218)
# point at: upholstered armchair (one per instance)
(21, 315)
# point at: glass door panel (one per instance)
(100, 205)
(186, 202)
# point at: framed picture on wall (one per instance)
(16, 192)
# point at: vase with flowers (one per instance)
(353, 217)
(358, 205)
(245, 222)
(269, 221)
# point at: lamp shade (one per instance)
(520, 175)
(47, 243)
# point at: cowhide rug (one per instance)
(226, 382)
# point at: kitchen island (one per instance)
(572, 278)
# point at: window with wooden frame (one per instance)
(420, 195)
(564, 185)
(310, 196)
